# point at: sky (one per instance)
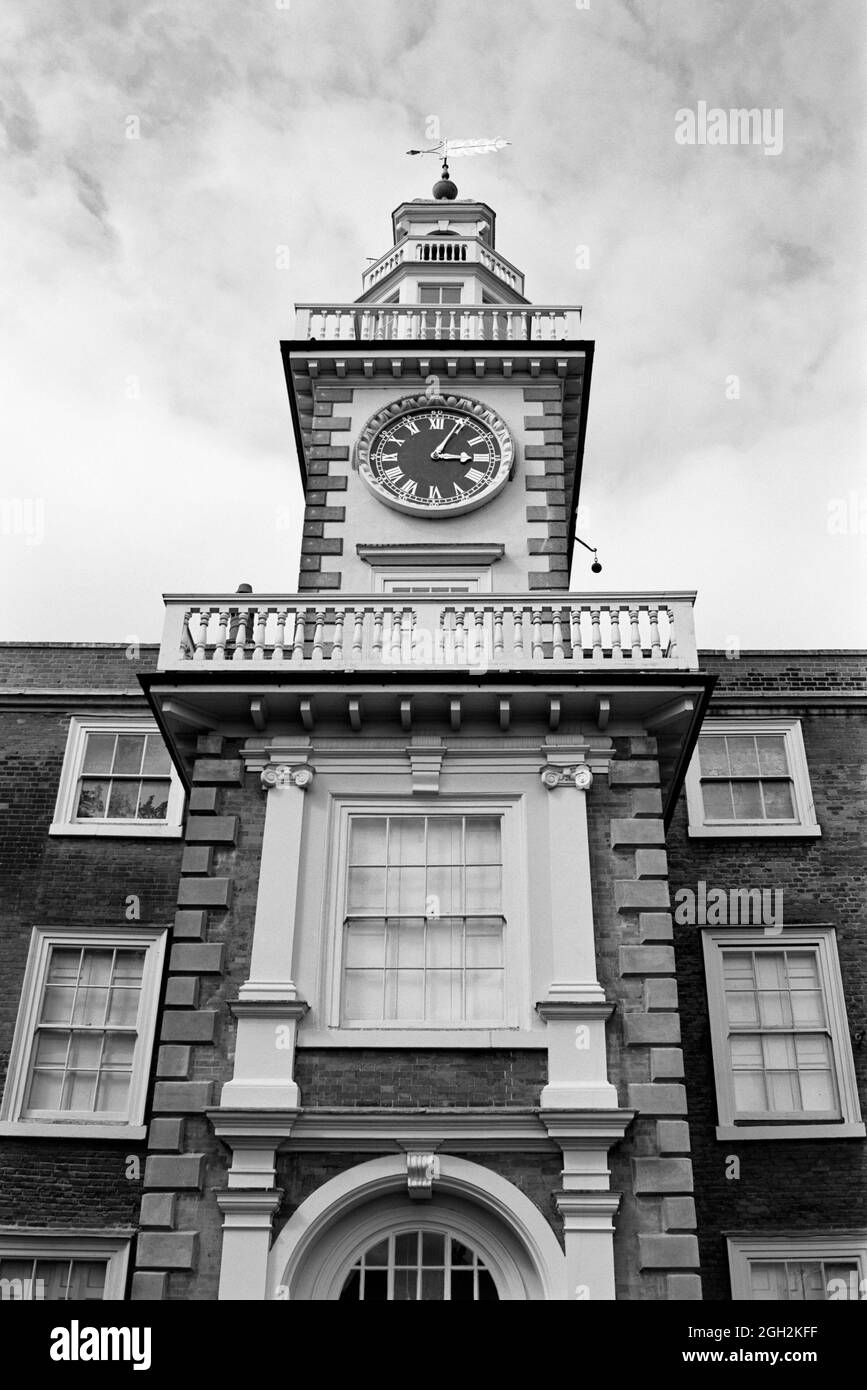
(177, 175)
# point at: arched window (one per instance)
(419, 1266)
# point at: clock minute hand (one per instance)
(437, 453)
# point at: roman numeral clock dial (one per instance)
(435, 457)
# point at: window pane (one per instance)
(742, 755)
(409, 941)
(444, 896)
(366, 891)
(484, 943)
(778, 801)
(45, 1090)
(364, 995)
(444, 840)
(128, 753)
(485, 995)
(717, 798)
(772, 755)
(404, 995)
(483, 840)
(157, 762)
(112, 1091)
(377, 1255)
(57, 1003)
(406, 840)
(98, 753)
(122, 801)
(483, 888)
(365, 944)
(451, 294)
(747, 801)
(439, 996)
(92, 800)
(154, 801)
(406, 892)
(367, 840)
(712, 755)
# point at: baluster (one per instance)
(499, 649)
(575, 639)
(460, 637)
(318, 634)
(298, 635)
(595, 616)
(445, 635)
(438, 323)
(672, 636)
(240, 636)
(557, 632)
(518, 632)
(616, 636)
(280, 639)
(220, 645)
(552, 325)
(200, 652)
(259, 625)
(376, 649)
(495, 325)
(380, 327)
(357, 634)
(538, 648)
(655, 644)
(536, 325)
(509, 329)
(636, 635)
(396, 634)
(337, 644)
(405, 635)
(452, 333)
(477, 655)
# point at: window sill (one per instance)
(40, 1129)
(138, 832)
(750, 832)
(846, 1129)
(398, 1037)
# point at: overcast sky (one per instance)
(146, 436)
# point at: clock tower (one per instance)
(449, 413)
(424, 904)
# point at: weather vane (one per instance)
(455, 149)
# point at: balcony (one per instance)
(451, 251)
(545, 632)
(506, 323)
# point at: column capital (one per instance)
(578, 775)
(277, 775)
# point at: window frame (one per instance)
(510, 811)
(823, 940)
(13, 1123)
(804, 824)
(478, 578)
(746, 1248)
(64, 822)
(439, 286)
(21, 1243)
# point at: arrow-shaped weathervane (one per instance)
(455, 149)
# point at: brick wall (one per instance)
(64, 881)
(783, 1185)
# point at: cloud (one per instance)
(163, 158)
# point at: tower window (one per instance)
(419, 1266)
(439, 294)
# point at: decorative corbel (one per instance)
(576, 775)
(422, 1171)
(282, 775)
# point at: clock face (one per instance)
(435, 457)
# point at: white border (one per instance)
(823, 939)
(63, 822)
(812, 1245)
(510, 809)
(805, 823)
(21, 1243)
(78, 1126)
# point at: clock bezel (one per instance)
(405, 405)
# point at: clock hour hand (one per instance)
(438, 451)
(456, 458)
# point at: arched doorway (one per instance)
(361, 1237)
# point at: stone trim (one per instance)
(662, 1175)
(322, 434)
(193, 963)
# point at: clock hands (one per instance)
(456, 458)
(438, 451)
